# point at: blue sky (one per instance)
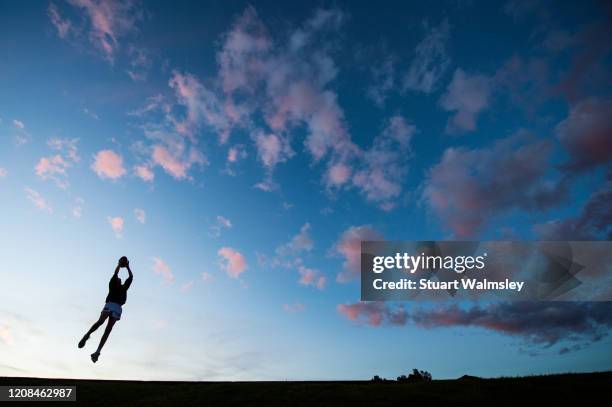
(237, 153)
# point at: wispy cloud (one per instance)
(55, 168)
(106, 22)
(185, 288)
(302, 242)
(37, 200)
(77, 207)
(310, 276)
(380, 176)
(373, 313)
(383, 81)
(21, 134)
(431, 59)
(62, 25)
(221, 223)
(90, 113)
(140, 215)
(174, 162)
(161, 268)
(18, 124)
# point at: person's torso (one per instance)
(117, 293)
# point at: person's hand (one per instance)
(123, 262)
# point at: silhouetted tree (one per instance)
(416, 376)
(426, 375)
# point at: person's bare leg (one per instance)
(107, 331)
(95, 326)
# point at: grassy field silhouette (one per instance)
(581, 389)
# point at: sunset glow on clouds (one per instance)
(234, 262)
(239, 153)
(108, 164)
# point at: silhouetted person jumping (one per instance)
(117, 294)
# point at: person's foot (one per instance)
(82, 341)
(95, 356)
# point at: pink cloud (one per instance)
(161, 268)
(288, 83)
(109, 20)
(144, 172)
(173, 163)
(470, 186)
(379, 171)
(243, 49)
(116, 224)
(108, 164)
(309, 276)
(53, 168)
(338, 174)
(203, 106)
(185, 288)
(349, 246)
(373, 313)
(272, 149)
(467, 95)
(235, 263)
(63, 26)
(587, 133)
(3, 172)
(56, 167)
(66, 147)
(536, 323)
(235, 153)
(37, 200)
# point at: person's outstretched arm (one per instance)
(128, 282)
(115, 274)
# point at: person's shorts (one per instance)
(112, 309)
